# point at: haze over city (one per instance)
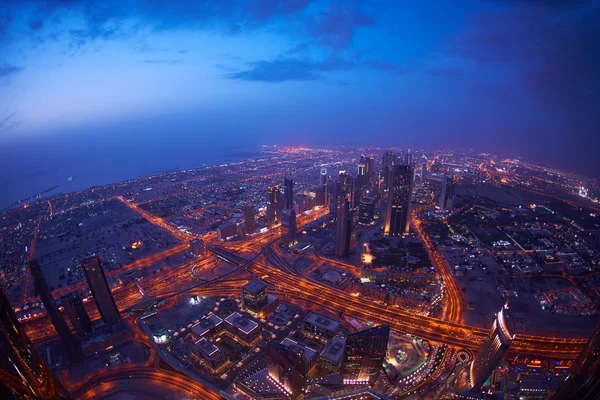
(299, 199)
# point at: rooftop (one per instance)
(254, 287)
(309, 353)
(207, 348)
(242, 323)
(334, 350)
(322, 321)
(206, 324)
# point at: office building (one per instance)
(494, 347)
(96, 279)
(343, 228)
(288, 186)
(244, 329)
(41, 287)
(333, 354)
(288, 221)
(370, 170)
(583, 381)
(288, 367)
(320, 327)
(24, 373)
(249, 219)
(424, 169)
(77, 314)
(364, 354)
(320, 196)
(366, 211)
(255, 296)
(388, 161)
(274, 206)
(447, 193)
(397, 218)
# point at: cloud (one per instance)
(290, 69)
(8, 70)
(395, 69)
(335, 26)
(445, 72)
(161, 61)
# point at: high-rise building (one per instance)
(343, 228)
(397, 218)
(96, 279)
(76, 313)
(494, 347)
(249, 219)
(323, 176)
(409, 159)
(366, 211)
(288, 185)
(288, 367)
(424, 169)
(254, 295)
(288, 221)
(447, 193)
(370, 169)
(41, 287)
(364, 354)
(320, 196)
(583, 381)
(25, 376)
(388, 161)
(274, 206)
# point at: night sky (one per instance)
(518, 77)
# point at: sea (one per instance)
(71, 163)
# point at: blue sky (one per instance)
(512, 76)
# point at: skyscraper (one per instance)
(94, 275)
(388, 161)
(494, 347)
(288, 184)
(447, 193)
(288, 220)
(366, 211)
(288, 367)
(363, 178)
(249, 219)
(274, 206)
(397, 218)
(343, 228)
(364, 354)
(41, 286)
(77, 315)
(24, 374)
(583, 381)
(370, 169)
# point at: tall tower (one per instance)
(249, 219)
(447, 194)
(364, 355)
(494, 347)
(274, 206)
(289, 193)
(343, 228)
(24, 375)
(397, 218)
(388, 161)
(41, 286)
(288, 220)
(77, 315)
(583, 382)
(94, 275)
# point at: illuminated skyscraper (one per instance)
(94, 274)
(288, 221)
(23, 373)
(447, 193)
(583, 381)
(274, 206)
(288, 185)
(249, 219)
(41, 286)
(388, 161)
(366, 211)
(343, 228)
(397, 218)
(288, 367)
(364, 354)
(493, 349)
(77, 315)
